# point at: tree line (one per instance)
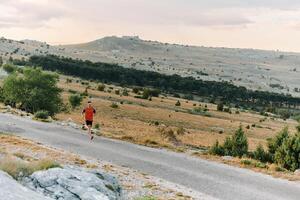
(113, 73)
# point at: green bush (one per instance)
(288, 154)
(239, 143)
(114, 105)
(9, 68)
(260, 154)
(97, 126)
(32, 91)
(217, 149)
(246, 162)
(42, 114)
(285, 114)
(75, 100)
(228, 146)
(276, 142)
(178, 103)
(101, 87)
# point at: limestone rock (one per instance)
(74, 183)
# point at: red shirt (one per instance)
(89, 113)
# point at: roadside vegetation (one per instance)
(18, 168)
(32, 90)
(283, 149)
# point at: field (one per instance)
(162, 124)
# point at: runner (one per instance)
(88, 115)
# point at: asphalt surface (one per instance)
(213, 179)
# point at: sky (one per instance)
(259, 24)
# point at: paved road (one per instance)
(213, 179)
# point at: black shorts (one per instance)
(89, 123)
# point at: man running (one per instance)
(88, 115)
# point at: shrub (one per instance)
(220, 106)
(101, 87)
(117, 92)
(136, 90)
(228, 147)
(97, 126)
(217, 149)
(9, 68)
(260, 154)
(239, 143)
(75, 100)
(72, 91)
(176, 95)
(276, 142)
(114, 105)
(42, 114)
(285, 114)
(246, 162)
(287, 155)
(178, 103)
(125, 93)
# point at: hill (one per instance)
(255, 69)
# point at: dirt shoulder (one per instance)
(135, 184)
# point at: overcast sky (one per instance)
(263, 24)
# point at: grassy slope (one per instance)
(133, 119)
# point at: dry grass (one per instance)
(19, 168)
(140, 121)
(254, 165)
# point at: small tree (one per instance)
(75, 100)
(288, 154)
(276, 142)
(178, 103)
(239, 143)
(34, 90)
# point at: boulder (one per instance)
(297, 172)
(10, 189)
(74, 183)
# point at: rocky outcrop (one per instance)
(10, 189)
(74, 183)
